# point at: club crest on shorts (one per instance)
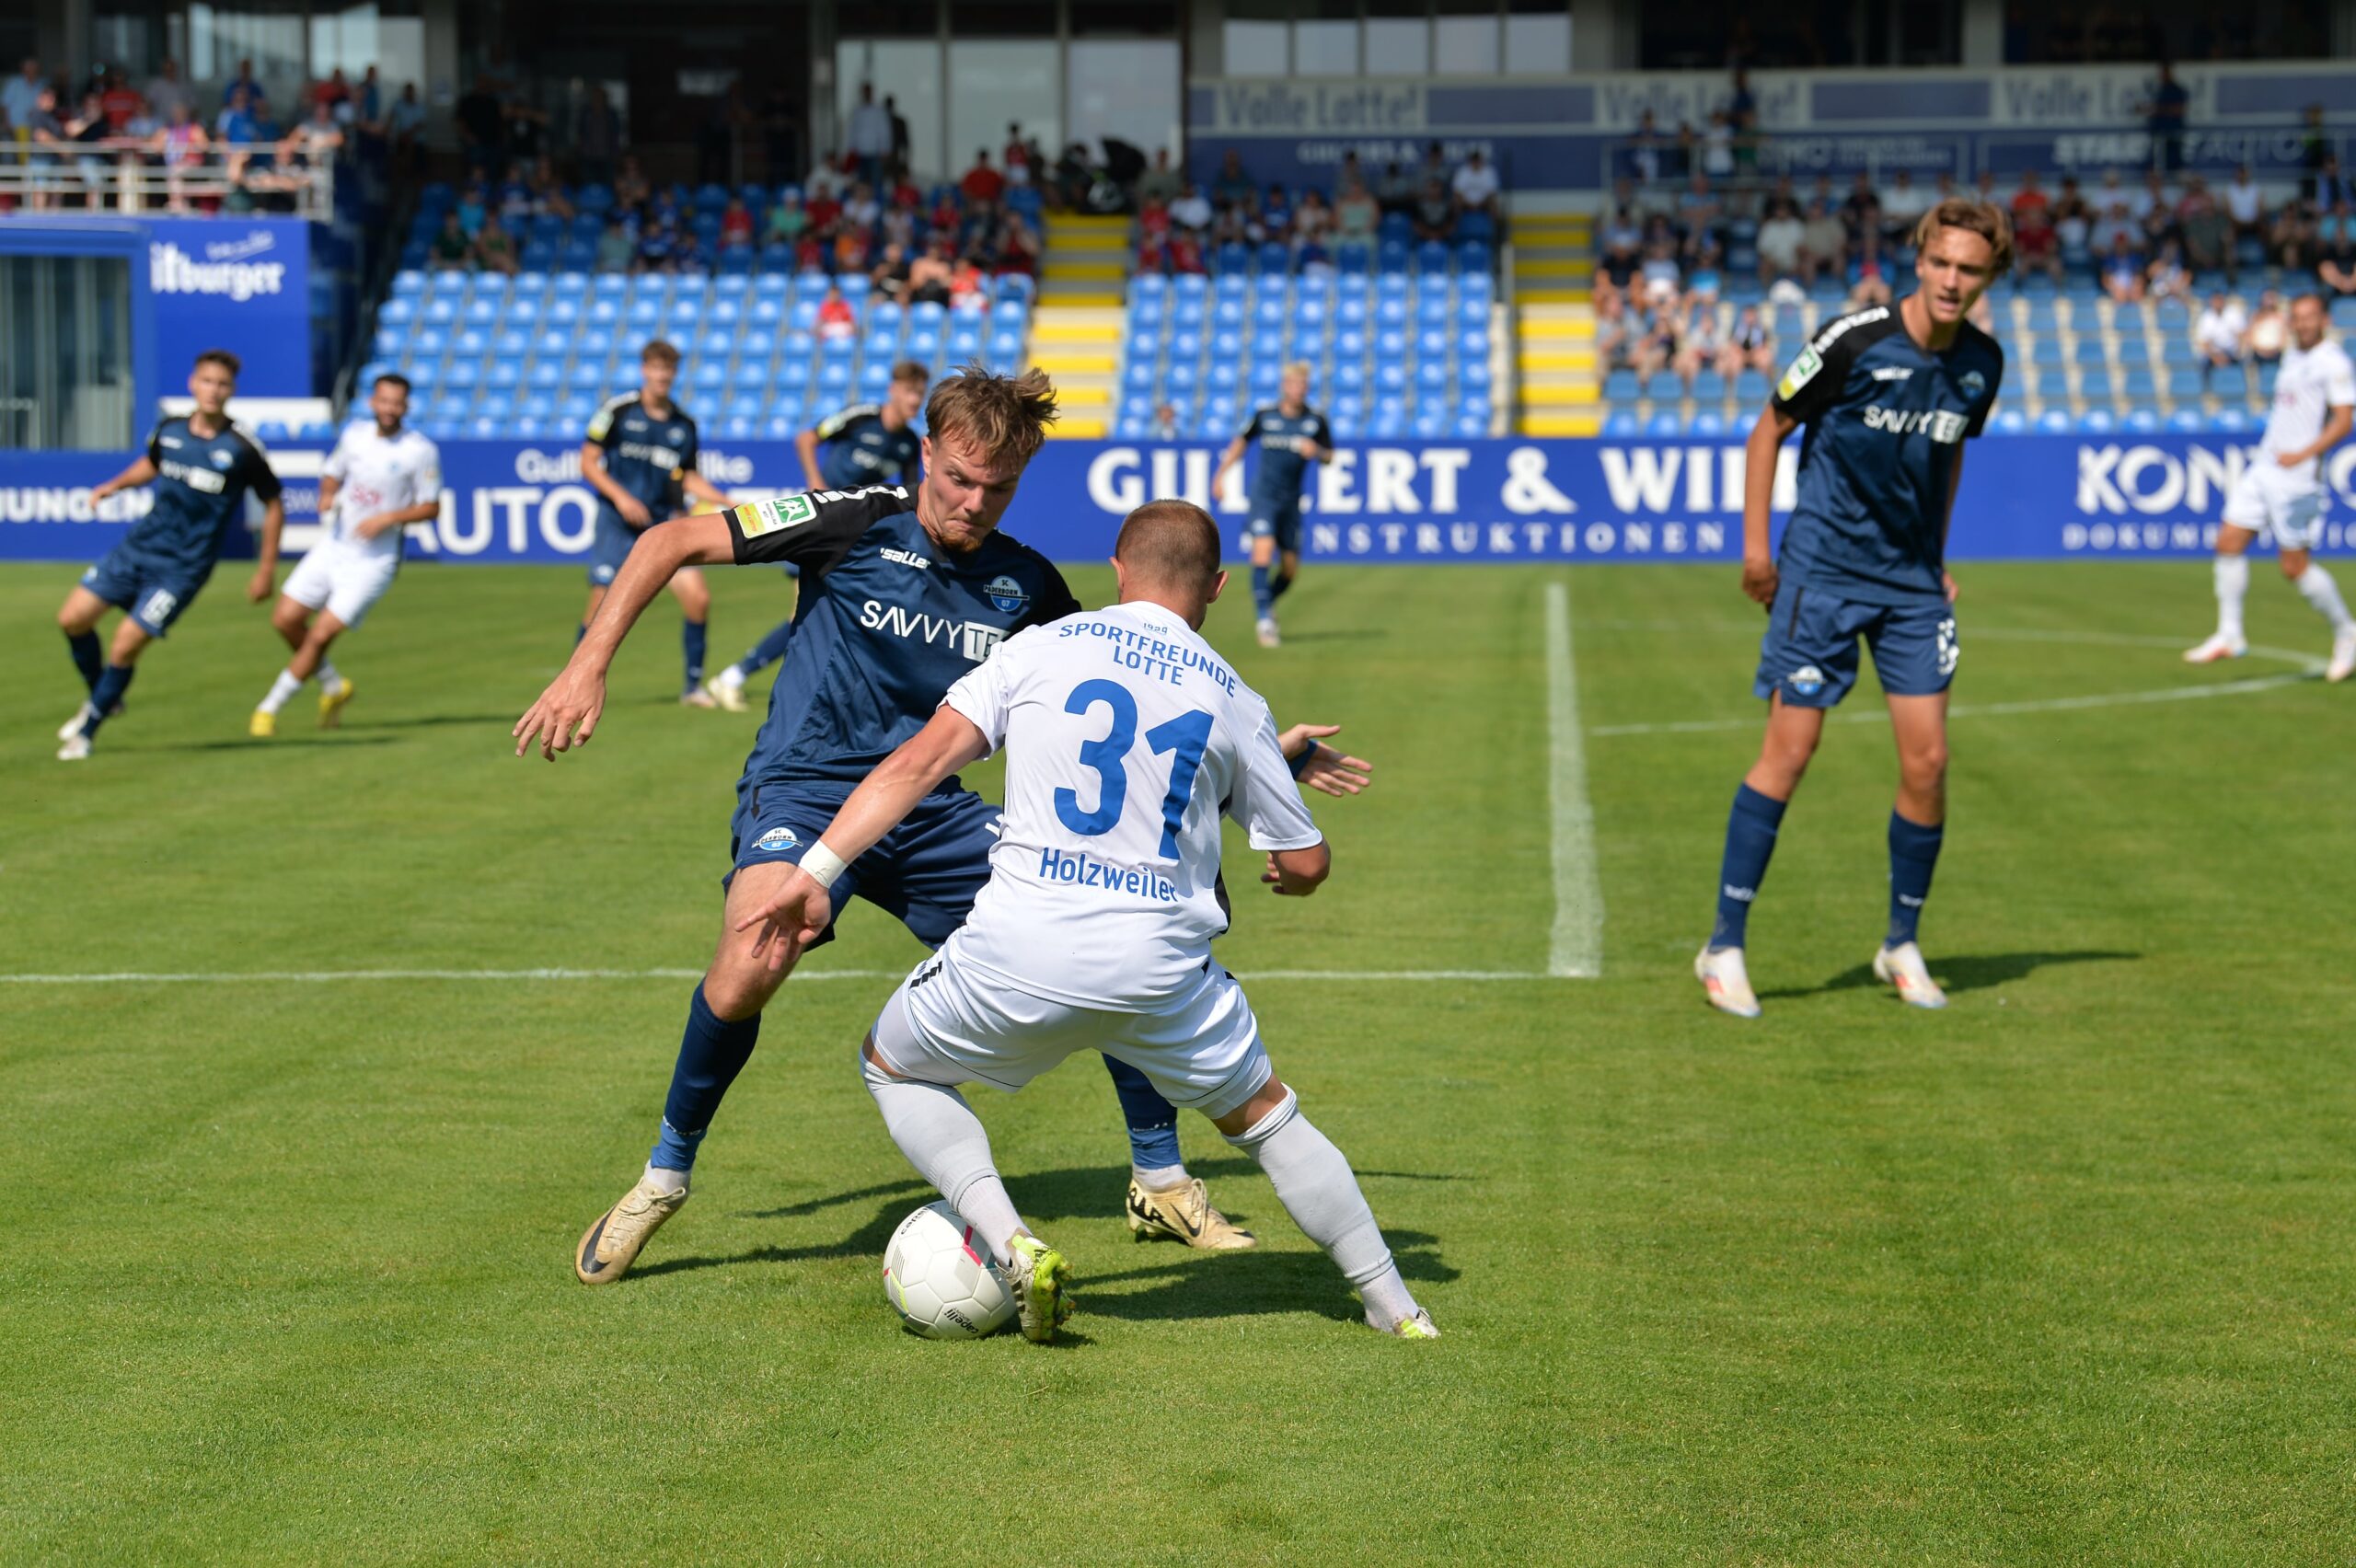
(1806, 681)
(776, 840)
(1006, 594)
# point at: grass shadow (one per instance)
(1965, 972)
(435, 722)
(247, 742)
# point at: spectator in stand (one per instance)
(407, 125)
(736, 225)
(1903, 202)
(1699, 211)
(2114, 222)
(1475, 185)
(547, 194)
(851, 251)
(658, 237)
(824, 211)
(1861, 214)
(1233, 187)
(2036, 246)
(1397, 192)
(2164, 115)
(860, 210)
(166, 91)
(2297, 242)
(1275, 217)
(968, 284)
(981, 182)
(2336, 265)
(2166, 278)
(1655, 343)
(1160, 180)
(1701, 345)
(89, 128)
(597, 136)
(1434, 166)
(787, 219)
(1718, 147)
(243, 86)
(1751, 346)
(2073, 228)
(2122, 271)
(1435, 214)
(1662, 278)
(1191, 212)
(482, 128)
(473, 206)
(837, 323)
(890, 278)
(42, 130)
(931, 273)
(2156, 215)
(1228, 227)
(1781, 243)
(1826, 247)
(1647, 160)
(2217, 335)
(451, 251)
(899, 133)
(20, 99)
(869, 135)
(335, 91)
(1313, 220)
(1165, 424)
(689, 253)
(2269, 330)
(615, 245)
(1616, 276)
(121, 103)
(238, 123)
(1612, 316)
(1701, 277)
(899, 226)
(1357, 214)
(494, 247)
(368, 97)
(181, 147)
(1186, 254)
(2246, 206)
(2207, 232)
(1153, 235)
(315, 142)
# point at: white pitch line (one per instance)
(329, 976)
(1576, 950)
(1986, 709)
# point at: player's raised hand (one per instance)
(1760, 578)
(793, 917)
(565, 716)
(1328, 768)
(259, 589)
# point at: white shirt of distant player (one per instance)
(2311, 382)
(1114, 722)
(378, 474)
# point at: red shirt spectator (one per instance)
(736, 223)
(983, 183)
(1153, 221)
(965, 286)
(809, 255)
(823, 209)
(1185, 252)
(905, 194)
(122, 104)
(835, 317)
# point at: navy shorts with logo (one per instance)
(1280, 520)
(1809, 654)
(926, 873)
(609, 546)
(154, 593)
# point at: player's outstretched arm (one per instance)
(1321, 767)
(805, 447)
(386, 522)
(1296, 873)
(1760, 455)
(1227, 459)
(792, 918)
(567, 712)
(141, 472)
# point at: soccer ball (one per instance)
(939, 1279)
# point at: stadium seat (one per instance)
(2098, 422)
(2188, 421)
(2054, 421)
(1664, 387)
(2142, 421)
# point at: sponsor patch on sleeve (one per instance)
(1803, 371)
(759, 517)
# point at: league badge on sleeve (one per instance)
(758, 517)
(1803, 371)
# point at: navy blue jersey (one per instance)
(201, 482)
(1886, 421)
(859, 451)
(648, 456)
(886, 622)
(1280, 436)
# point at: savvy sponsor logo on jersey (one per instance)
(974, 640)
(1942, 425)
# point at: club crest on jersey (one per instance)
(1807, 680)
(776, 840)
(222, 459)
(1973, 383)
(1006, 594)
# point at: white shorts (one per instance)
(345, 581)
(947, 1025)
(2276, 502)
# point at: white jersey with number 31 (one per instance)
(2310, 383)
(1127, 738)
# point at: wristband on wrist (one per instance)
(822, 864)
(1300, 765)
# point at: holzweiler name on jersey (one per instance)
(1086, 870)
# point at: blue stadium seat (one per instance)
(2233, 421)
(2188, 420)
(2090, 351)
(2047, 352)
(2098, 422)
(1665, 423)
(1621, 387)
(2054, 421)
(2137, 382)
(1664, 387)
(1709, 387)
(2184, 381)
(2228, 381)
(2009, 422)
(2052, 382)
(1707, 422)
(1750, 387)
(2142, 421)
(2095, 382)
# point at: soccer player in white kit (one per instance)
(378, 480)
(2283, 493)
(1127, 739)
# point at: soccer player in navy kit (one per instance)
(202, 468)
(867, 443)
(638, 456)
(1889, 396)
(903, 594)
(1291, 436)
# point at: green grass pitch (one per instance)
(2065, 1274)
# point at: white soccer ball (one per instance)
(939, 1278)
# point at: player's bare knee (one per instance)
(739, 983)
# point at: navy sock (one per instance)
(769, 651)
(1279, 585)
(1261, 598)
(113, 681)
(1751, 841)
(693, 636)
(1153, 1121)
(85, 648)
(711, 1053)
(1913, 856)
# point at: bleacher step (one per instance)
(1561, 424)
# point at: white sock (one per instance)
(669, 1180)
(2316, 588)
(945, 1141)
(285, 686)
(2231, 573)
(729, 675)
(1160, 1178)
(1314, 1183)
(330, 682)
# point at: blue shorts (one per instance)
(153, 592)
(1809, 654)
(609, 546)
(1279, 520)
(926, 872)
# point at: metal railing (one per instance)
(135, 175)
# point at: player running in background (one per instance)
(202, 468)
(902, 595)
(1127, 739)
(2282, 493)
(1889, 396)
(640, 454)
(867, 443)
(1291, 436)
(380, 478)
